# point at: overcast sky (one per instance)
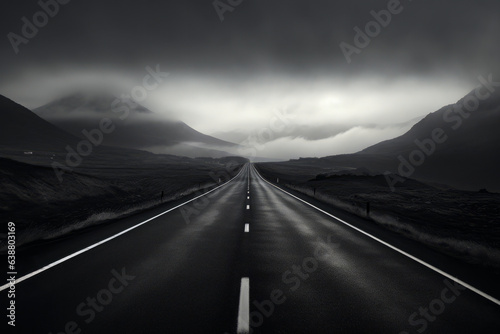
(230, 78)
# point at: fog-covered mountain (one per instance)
(457, 145)
(466, 131)
(134, 126)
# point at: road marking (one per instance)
(248, 207)
(244, 307)
(248, 197)
(66, 258)
(247, 228)
(439, 271)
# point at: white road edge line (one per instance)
(247, 228)
(243, 326)
(457, 280)
(66, 258)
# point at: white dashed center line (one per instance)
(244, 308)
(247, 228)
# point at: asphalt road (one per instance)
(189, 271)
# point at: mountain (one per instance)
(134, 125)
(26, 137)
(471, 132)
(451, 146)
(21, 130)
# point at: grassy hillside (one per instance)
(108, 188)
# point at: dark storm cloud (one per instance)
(266, 55)
(269, 35)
